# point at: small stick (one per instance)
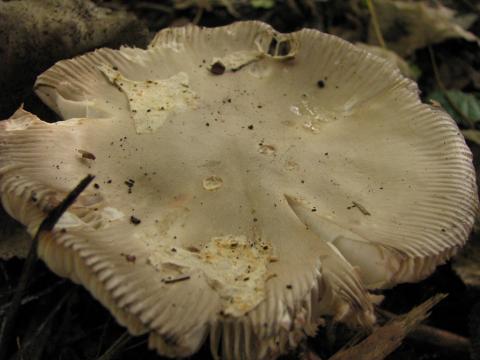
(471, 6)
(137, 344)
(115, 349)
(376, 25)
(102, 336)
(198, 16)
(444, 90)
(33, 297)
(361, 208)
(153, 6)
(441, 338)
(8, 324)
(35, 345)
(174, 280)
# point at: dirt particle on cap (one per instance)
(130, 183)
(87, 155)
(131, 258)
(217, 68)
(134, 220)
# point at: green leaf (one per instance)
(415, 70)
(473, 136)
(465, 109)
(263, 4)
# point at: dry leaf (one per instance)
(472, 135)
(407, 26)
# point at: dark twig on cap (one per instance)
(8, 324)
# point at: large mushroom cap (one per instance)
(248, 184)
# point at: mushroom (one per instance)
(247, 204)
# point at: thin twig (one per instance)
(376, 24)
(116, 347)
(472, 7)
(19, 348)
(36, 278)
(198, 16)
(102, 336)
(36, 344)
(177, 279)
(441, 338)
(444, 91)
(8, 324)
(5, 276)
(65, 321)
(28, 299)
(294, 7)
(137, 344)
(361, 208)
(153, 6)
(229, 5)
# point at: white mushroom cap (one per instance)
(249, 184)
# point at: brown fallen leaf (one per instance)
(407, 26)
(385, 339)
